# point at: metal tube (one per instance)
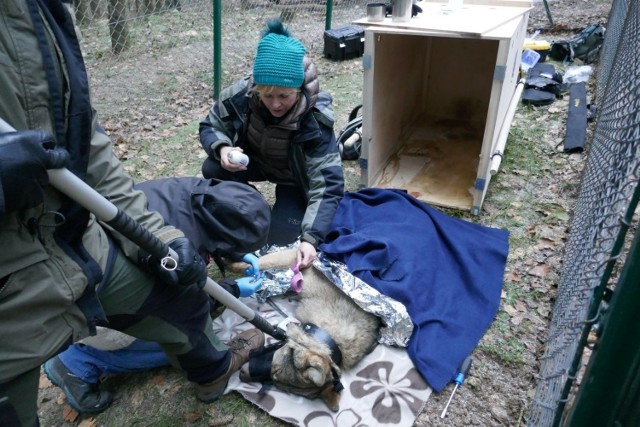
(496, 157)
(217, 47)
(79, 191)
(329, 13)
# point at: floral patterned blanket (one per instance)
(384, 389)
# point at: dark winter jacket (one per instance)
(223, 218)
(314, 162)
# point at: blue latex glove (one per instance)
(254, 270)
(249, 285)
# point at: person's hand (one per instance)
(249, 285)
(224, 159)
(191, 268)
(25, 157)
(251, 259)
(306, 254)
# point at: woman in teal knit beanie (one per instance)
(283, 123)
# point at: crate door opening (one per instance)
(429, 99)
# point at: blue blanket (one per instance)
(446, 271)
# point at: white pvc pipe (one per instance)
(496, 157)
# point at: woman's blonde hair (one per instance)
(267, 89)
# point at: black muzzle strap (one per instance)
(321, 335)
(260, 362)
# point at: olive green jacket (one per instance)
(42, 275)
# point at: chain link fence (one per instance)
(603, 214)
(123, 28)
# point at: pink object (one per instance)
(296, 280)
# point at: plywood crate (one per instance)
(437, 92)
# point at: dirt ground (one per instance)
(532, 198)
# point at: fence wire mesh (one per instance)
(603, 213)
(132, 27)
(117, 29)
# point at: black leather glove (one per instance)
(191, 269)
(415, 10)
(25, 157)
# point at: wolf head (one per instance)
(303, 366)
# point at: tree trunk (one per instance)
(94, 8)
(174, 4)
(118, 26)
(82, 12)
(149, 7)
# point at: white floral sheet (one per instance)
(384, 389)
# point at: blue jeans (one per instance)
(89, 363)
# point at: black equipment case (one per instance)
(344, 43)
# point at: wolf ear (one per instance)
(316, 375)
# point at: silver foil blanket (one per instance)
(397, 325)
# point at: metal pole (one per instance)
(546, 8)
(79, 191)
(327, 19)
(217, 47)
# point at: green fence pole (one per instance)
(610, 390)
(217, 47)
(546, 7)
(327, 18)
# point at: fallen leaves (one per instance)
(539, 270)
(69, 414)
(44, 382)
(89, 422)
(219, 419)
(158, 379)
(192, 417)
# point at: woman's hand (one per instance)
(306, 254)
(224, 159)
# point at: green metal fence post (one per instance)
(327, 18)
(610, 390)
(546, 7)
(217, 47)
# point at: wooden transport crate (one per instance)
(437, 93)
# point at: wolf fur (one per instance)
(303, 365)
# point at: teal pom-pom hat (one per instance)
(279, 58)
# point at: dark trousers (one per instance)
(287, 211)
(176, 317)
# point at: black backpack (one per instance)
(350, 137)
(585, 46)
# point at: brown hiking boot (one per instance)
(240, 346)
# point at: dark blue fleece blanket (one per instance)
(447, 272)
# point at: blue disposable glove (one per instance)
(254, 270)
(249, 285)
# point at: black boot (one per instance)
(83, 397)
